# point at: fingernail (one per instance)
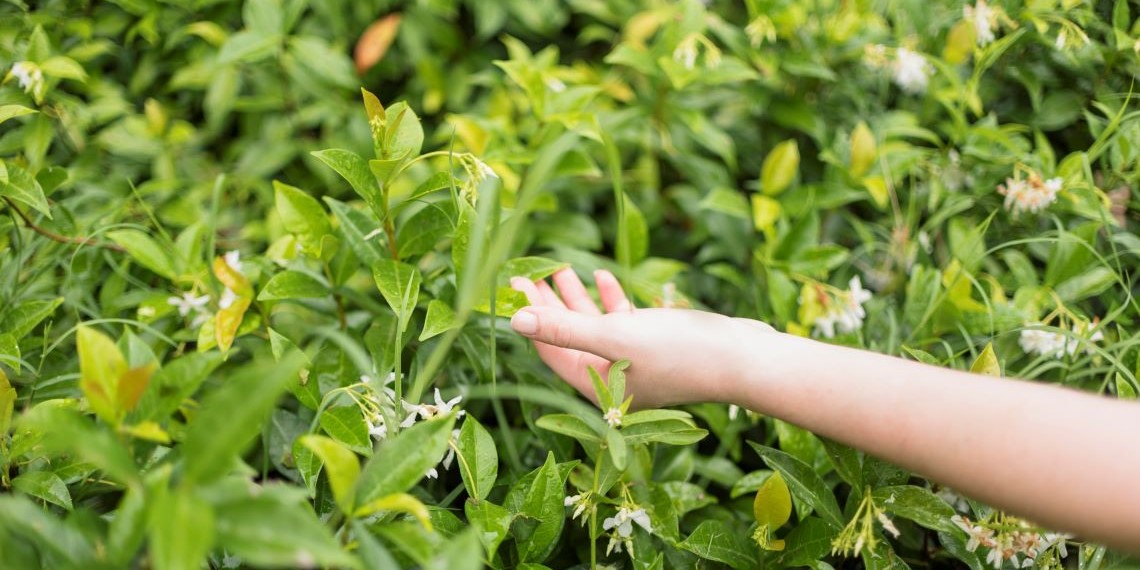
(515, 281)
(524, 322)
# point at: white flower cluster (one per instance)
(30, 78)
(622, 526)
(844, 312)
(1055, 344)
(1020, 547)
(909, 69)
(233, 259)
(582, 504)
(688, 49)
(985, 21)
(375, 403)
(1029, 195)
(189, 303)
(613, 417)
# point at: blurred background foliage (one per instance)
(749, 157)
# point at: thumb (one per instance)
(567, 329)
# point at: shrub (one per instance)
(247, 320)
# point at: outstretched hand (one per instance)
(677, 356)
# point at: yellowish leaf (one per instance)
(101, 364)
(400, 503)
(765, 212)
(780, 167)
(959, 43)
(877, 187)
(987, 363)
(863, 149)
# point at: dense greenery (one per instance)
(250, 318)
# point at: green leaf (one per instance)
(461, 552)
(64, 429)
(987, 362)
(616, 446)
(532, 268)
(848, 462)
(356, 171)
(270, 528)
(804, 483)
(917, 504)
(493, 522)
(13, 111)
(101, 365)
(404, 136)
(478, 458)
(808, 542)
(346, 425)
(863, 149)
(1124, 390)
(633, 245)
(397, 503)
(43, 485)
(356, 226)
(300, 213)
(425, 230)
(616, 380)
(569, 425)
(601, 391)
(181, 530)
(716, 540)
(543, 504)
(340, 465)
(772, 505)
(21, 320)
(780, 167)
(399, 283)
(232, 415)
(147, 251)
(22, 187)
(292, 285)
(440, 319)
(8, 404)
(726, 201)
(403, 460)
(63, 542)
(669, 431)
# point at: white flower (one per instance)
(429, 411)
(30, 77)
(432, 473)
(447, 459)
(686, 52)
(581, 504)
(924, 241)
(1029, 195)
(911, 71)
(377, 428)
(484, 170)
(1057, 344)
(147, 311)
(188, 303)
(984, 19)
(230, 561)
(556, 85)
(233, 259)
(613, 417)
(845, 312)
(228, 297)
(888, 524)
(733, 411)
(623, 521)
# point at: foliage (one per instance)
(243, 322)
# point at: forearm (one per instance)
(1061, 458)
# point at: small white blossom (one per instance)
(623, 521)
(686, 52)
(613, 417)
(911, 71)
(733, 411)
(556, 85)
(228, 297)
(230, 561)
(888, 524)
(432, 473)
(451, 443)
(484, 170)
(845, 313)
(429, 411)
(377, 428)
(233, 259)
(30, 77)
(977, 535)
(984, 20)
(581, 504)
(189, 303)
(1031, 194)
(1056, 344)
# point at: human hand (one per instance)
(676, 355)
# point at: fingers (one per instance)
(549, 297)
(568, 329)
(574, 293)
(609, 289)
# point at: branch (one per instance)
(58, 237)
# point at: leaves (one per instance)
(478, 458)
(542, 505)
(772, 506)
(399, 283)
(780, 167)
(340, 465)
(715, 540)
(804, 482)
(401, 461)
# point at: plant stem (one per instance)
(59, 237)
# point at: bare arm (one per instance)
(1062, 458)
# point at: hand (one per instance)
(677, 356)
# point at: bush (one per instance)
(247, 320)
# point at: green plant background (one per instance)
(516, 137)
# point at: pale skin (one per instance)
(1064, 459)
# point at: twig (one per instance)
(59, 237)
